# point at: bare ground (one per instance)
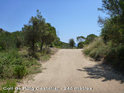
(70, 68)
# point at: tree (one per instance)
(90, 38)
(80, 45)
(34, 29)
(32, 33)
(113, 32)
(71, 43)
(11, 40)
(38, 32)
(7, 40)
(48, 36)
(19, 38)
(1, 30)
(113, 7)
(80, 38)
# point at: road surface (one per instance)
(69, 71)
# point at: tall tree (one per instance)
(33, 31)
(38, 31)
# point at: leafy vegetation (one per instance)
(80, 45)
(90, 38)
(97, 49)
(21, 51)
(110, 46)
(17, 65)
(60, 44)
(82, 41)
(72, 43)
(37, 32)
(8, 87)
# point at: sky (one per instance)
(71, 18)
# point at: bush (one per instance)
(46, 51)
(19, 71)
(14, 65)
(11, 84)
(1, 48)
(112, 54)
(9, 60)
(115, 57)
(97, 49)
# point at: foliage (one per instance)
(32, 33)
(80, 38)
(11, 40)
(97, 49)
(60, 44)
(90, 38)
(14, 63)
(111, 45)
(80, 45)
(71, 43)
(82, 41)
(19, 71)
(19, 38)
(113, 7)
(48, 36)
(113, 31)
(6, 40)
(10, 84)
(36, 37)
(37, 31)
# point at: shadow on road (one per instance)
(102, 71)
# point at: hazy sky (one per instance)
(71, 18)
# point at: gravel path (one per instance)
(69, 71)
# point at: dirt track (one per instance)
(70, 68)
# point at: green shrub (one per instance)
(115, 57)
(97, 49)
(46, 51)
(9, 87)
(1, 48)
(8, 60)
(19, 71)
(113, 54)
(14, 65)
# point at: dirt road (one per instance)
(69, 71)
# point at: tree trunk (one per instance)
(41, 47)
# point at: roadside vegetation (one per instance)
(22, 51)
(84, 41)
(72, 43)
(109, 46)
